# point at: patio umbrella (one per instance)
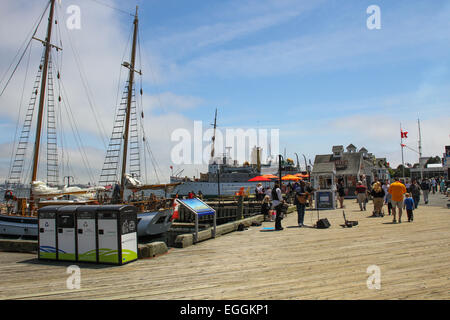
(259, 179)
(290, 177)
(269, 176)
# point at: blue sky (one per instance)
(309, 68)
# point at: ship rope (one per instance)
(28, 44)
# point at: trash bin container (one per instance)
(47, 233)
(66, 238)
(86, 220)
(117, 234)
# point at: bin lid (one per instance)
(47, 209)
(68, 209)
(122, 208)
(88, 208)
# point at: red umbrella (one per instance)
(291, 177)
(270, 176)
(259, 179)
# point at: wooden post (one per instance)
(240, 207)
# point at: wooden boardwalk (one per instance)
(296, 263)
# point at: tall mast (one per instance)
(129, 98)
(37, 143)
(420, 149)
(214, 135)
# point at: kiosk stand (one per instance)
(198, 208)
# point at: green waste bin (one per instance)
(117, 234)
(86, 220)
(66, 238)
(47, 233)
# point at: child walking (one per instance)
(409, 206)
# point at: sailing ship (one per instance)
(22, 200)
(154, 214)
(18, 216)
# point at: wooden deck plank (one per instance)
(296, 263)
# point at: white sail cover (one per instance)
(131, 182)
(40, 188)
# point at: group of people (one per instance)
(272, 199)
(397, 196)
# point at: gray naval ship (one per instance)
(225, 177)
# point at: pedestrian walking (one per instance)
(341, 193)
(425, 186)
(409, 206)
(415, 193)
(397, 190)
(378, 197)
(434, 185)
(442, 185)
(361, 195)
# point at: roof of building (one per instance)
(337, 148)
(351, 162)
(327, 167)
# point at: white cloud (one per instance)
(170, 101)
(100, 47)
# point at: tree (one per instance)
(398, 173)
(432, 160)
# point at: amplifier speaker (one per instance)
(323, 223)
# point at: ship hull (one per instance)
(149, 224)
(211, 188)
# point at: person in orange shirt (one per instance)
(397, 190)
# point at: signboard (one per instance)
(197, 206)
(341, 164)
(325, 199)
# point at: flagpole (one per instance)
(401, 145)
(420, 149)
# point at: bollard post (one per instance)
(241, 206)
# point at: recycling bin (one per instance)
(47, 233)
(117, 234)
(66, 229)
(86, 220)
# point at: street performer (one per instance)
(301, 196)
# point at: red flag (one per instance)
(403, 145)
(404, 134)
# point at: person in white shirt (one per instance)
(277, 204)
